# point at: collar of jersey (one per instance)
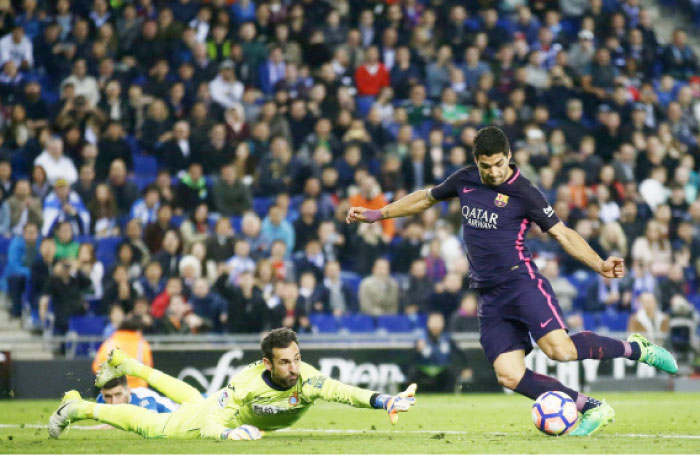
(272, 384)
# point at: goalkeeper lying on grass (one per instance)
(267, 395)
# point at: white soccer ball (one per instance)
(554, 413)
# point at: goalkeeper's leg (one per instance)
(119, 363)
(147, 423)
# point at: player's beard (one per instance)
(286, 382)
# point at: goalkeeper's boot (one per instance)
(654, 355)
(594, 419)
(118, 364)
(60, 419)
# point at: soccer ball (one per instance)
(554, 413)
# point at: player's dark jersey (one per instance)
(495, 222)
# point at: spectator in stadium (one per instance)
(66, 246)
(208, 305)
(84, 84)
(119, 289)
(289, 312)
(465, 318)
(679, 60)
(127, 259)
(17, 47)
(225, 90)
(564, 290)
(219, 245)
(157, 128)
(134, 235)
(649, 320)
(246, 311)
(240, 262)
(155, 231)
(17, 272)
(103, 212)
(145, 209)
(93, 269)
(379, 292)
(372, 75)
(674, 284)
(438, 359)
(311, 293)
(64, 290)
(653, 249)
(416, 297)
(86, 184)
(129, 339)
(21, 208)
(195, 228)
(116, 317)
(169, 254)
(275, 227)
(55, 164)
(447, 295)
(230, 196)
(112, 146)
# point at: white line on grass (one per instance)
(430, 432)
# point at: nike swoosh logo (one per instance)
(466, 191)
(58, 411)
(544, 324)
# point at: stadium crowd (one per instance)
(192, 162)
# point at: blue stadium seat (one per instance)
(615, 322)
(357, 323)
(86, 326)
(261, 205)
(236, 223)
(395, 323)
(364, 104)
(145, 165)
(106, 250)
(323, 323)
(351, 279)
(590, 321)
(177, 220)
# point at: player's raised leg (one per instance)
(119, 364)
(125, 417)
(511, 373)
(588, 345)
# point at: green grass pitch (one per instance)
(649, 423)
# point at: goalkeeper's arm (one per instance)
(319, 386)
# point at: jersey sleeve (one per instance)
(223, 415)
(447, 188)
(539, 210)
(316, 385)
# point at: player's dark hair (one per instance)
(111, 384)
(490, 141)
(279, 338)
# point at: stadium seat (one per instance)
(590, 321)
(615, 322)
(145, 165)
(106, 250)
(323, 323)
(85, 326)
(395, 323)
(351, 280)
(357, 323)
(236, 223)
(261, 205)
(364, 104)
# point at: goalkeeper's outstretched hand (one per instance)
(244, 433)
(400, 403)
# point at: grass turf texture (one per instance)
(649, 423)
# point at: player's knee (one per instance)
(562, 353)
(509, 380)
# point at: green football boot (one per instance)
(594, 419)
(654, 355)
(61, 418)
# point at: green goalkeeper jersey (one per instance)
(251, 397)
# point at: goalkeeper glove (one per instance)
(397, 404)
(243, 433)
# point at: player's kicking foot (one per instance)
(116, 365)
(594, 419)
(654, 355)
(60, 419)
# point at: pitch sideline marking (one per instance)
(351, 431)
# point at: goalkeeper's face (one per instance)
(285, 365)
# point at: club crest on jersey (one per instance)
(501, 200)
(294, 399)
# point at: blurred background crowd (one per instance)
(186, 167)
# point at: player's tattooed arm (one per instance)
(413, 203)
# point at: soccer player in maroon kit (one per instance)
(515, 300)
